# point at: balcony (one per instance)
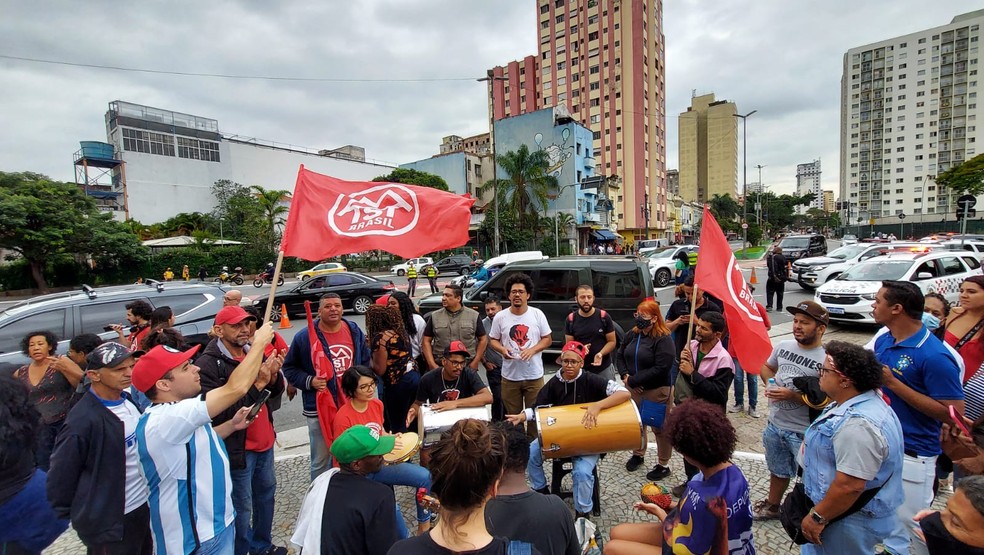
(589, 162)
(591, 217)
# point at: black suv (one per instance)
(90, 310)
(456, 263)
(795, 247)
(620, 284)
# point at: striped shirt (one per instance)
(187, 468)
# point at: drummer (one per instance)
(573, 386)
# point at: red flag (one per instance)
(749, 338)
(329, 216)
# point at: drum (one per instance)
(431, 423)
(409, 445)
(562, 434)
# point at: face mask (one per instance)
(931, 322)
(939, 539)
(642, 323)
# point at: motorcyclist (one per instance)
(267, 273)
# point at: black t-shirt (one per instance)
(681, 307)
(359, 516)
(591, 329)
(542, 520)
(424, 545)
(587, 388)
(433, 388)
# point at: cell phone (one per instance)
(264, 395)
(959, 422)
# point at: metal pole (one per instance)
(744, 188)
(557, 228)
(491, 79)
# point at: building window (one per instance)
(196, 149)
(148, 142)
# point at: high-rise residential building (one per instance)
(708, 149)
(672, 183)
(828, 200)
(807, 182)
(908, 113)
(754, 188)
(604, 61)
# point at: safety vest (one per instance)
(431, 271)
(411, 273)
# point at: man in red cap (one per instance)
(254, 482)
(181, 454)
(572, 386)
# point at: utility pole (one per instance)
(495, 174)
(758, 205)
(645, 210)
(744, 188)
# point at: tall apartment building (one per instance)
(604, 61)
(828, 201)
(708, 149)
(808, 181)
(908, 113)
(672, 183)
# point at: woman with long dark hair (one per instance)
(392, 360)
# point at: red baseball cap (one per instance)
(383, 301)
(456, 347)
(156, 362)
(232, 315)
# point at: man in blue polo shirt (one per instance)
(921, 381)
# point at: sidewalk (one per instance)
(619, 488)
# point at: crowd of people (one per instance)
(147, 444)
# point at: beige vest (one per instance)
(449, 327)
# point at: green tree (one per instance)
(965, 178)
(273, 212)
(185, 223)
(44, 220)
(525, 190)
(512, 237)
(724, 207)
(415, 177)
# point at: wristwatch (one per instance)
(817, 518)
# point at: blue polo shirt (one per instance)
(924, 364)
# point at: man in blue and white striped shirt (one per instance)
(182, 456)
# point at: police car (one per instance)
(817, 270)
(848, 298)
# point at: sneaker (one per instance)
(634, 462)
(945, 486)
(737, 407)
(658, 473)
(754, 413)
(275, 550)
(677, 491)
(763, 510)
(768, 309)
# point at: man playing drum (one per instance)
(568, 387)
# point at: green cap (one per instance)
(358, 442)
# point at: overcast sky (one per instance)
(406, 70)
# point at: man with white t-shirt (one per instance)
(182, 455)
(95, 477)
(520, 335)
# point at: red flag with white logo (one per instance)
(749, 338)
(330, 216)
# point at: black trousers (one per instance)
(495, 386)
(777, 288)
(136, 536)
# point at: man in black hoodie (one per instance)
(254, 482)
(95, 477)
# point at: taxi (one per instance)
(848, 298)
(322, 269)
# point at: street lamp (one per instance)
(495, 177)
(744, 189)
(646, 210)
(758, 203)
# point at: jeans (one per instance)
(397, 399)
(857, 533)
(320, 457)
(774, 288)
(781, 449)
(432, 281)
(405, 474)
(253, 490)
(222, 544)
(753, 388)
(583, 475)
(411, 287)
(917, 484)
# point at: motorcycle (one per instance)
(266, 278)
(235, 277)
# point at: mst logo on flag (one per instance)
(330, 216)
(388, 209)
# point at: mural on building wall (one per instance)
(557, 154)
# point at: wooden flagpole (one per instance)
(273, 286)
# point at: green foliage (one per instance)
(415, 177)
(512, 236)
(967, 177)
(754, 234)
(779, 212)
(274, 214)
(526, 190)
(724, 208)
(44, 221)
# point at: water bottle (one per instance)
(771, 385)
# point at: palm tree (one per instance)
(525, 191)
(273, 211)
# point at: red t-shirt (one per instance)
(260, 435)
(347, 417)
(972, 353)
(137, 337)
(342, 349)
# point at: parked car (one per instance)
(401, 269)
(803, 246)
(662, 262)
(92, 309)
(322, 269)
(496, 263)
(620, 284)
(849, 297)
(358, 292)
(849, 239)
(975, 246)
(817, 270)
(460, 264)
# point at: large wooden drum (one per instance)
(432, 423)
(562, 434)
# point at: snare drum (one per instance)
(410, 444)
(431, 423)
(562, 434)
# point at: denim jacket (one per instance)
(819, 459)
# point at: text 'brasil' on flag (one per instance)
(749, 338)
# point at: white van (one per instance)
(496, 263)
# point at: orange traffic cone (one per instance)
(753, 280)
(284, 320)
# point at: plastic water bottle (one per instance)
(771, 385)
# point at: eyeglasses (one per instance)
(456, 363)
(570, 361)
(643, 316)
(518, 292)
(825, 369)
(367, 387)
